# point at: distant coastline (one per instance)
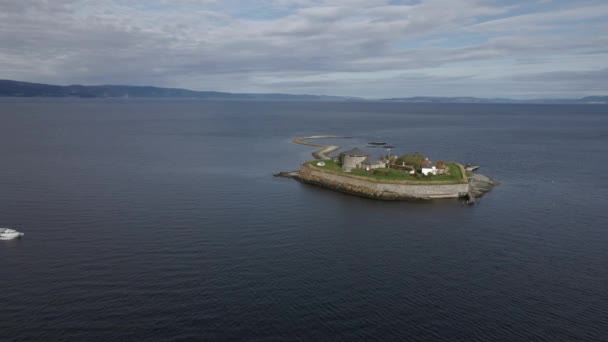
(11, 88)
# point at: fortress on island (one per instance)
(357, 158)
(386, 177)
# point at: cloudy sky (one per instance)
(369, 48)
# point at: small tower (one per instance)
(352, 159)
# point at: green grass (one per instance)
(392, 174)
(388, 174)
(329, 165)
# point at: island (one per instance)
(411, 176)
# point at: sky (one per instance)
(366, 48)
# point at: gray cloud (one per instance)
(565, 81)
(339, 47)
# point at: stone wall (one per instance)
(380, 190)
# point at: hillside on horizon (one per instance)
(27, 89)
(11, 88)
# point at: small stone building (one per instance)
(352, 159)
(370, 163)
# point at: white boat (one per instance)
(9, 234)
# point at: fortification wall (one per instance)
(352, 162)
(380, 190)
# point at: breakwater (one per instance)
(325, 150)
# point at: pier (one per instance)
(325, 150)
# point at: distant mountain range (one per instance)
(26, 89)
(432, 99)
(9, 88)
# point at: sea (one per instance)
(150, 220)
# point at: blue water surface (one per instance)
(160, 220)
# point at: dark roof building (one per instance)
(372, 161)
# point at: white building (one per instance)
(428, 168)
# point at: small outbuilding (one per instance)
(370, 163)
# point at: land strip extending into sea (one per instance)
(325, 150)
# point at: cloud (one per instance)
(339, 47)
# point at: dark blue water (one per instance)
(160, 220)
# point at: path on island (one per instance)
(325, 150)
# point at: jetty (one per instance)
(325, 150)
(471, 168)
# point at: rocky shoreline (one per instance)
(479, 185)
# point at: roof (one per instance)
(371, 161)
(355, 152)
